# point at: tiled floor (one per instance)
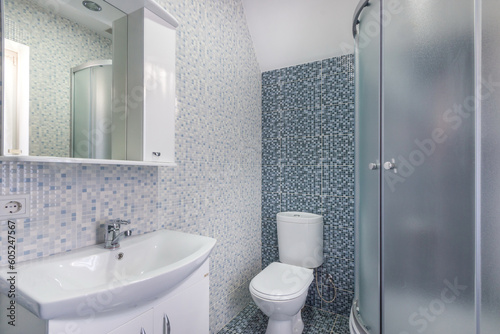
(252, 321)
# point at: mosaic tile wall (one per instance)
(56, 45)
(308, 164)
(215, 189)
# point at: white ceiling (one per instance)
(292, 32)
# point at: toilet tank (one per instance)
(300, 238)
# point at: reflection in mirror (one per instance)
(59, 37)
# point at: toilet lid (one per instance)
(282, 281)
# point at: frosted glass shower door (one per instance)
(367, 169)
(428, 226)
(91, 115)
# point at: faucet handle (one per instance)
(121, 221)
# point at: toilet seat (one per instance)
(280, 281)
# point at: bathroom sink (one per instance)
(94, 279)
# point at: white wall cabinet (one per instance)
(186, 306)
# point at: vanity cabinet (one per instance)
(186, 312)
(143, 324)
(185, 308)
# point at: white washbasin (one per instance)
(69, 284)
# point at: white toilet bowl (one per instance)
(280, 291)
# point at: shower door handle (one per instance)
(388, 165)
(357, 13)
(373, 165)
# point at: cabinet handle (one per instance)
(166, 325)
(143, 331)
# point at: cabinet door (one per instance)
(186, 312)
(143, 324)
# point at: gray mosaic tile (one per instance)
(317, 321)
(269, 232)
(271, 77)
(337, 88)
(338, 211)
(271, 98)
(337, 65)
(271, 151)
(249, 321)
(341, 304)
(252, 321)
(301, 72)
(342, 271)
(341, 325)
(343, 243)
(301, 94)
(302, 179)
(271, 205)
(272, 124)
(338, 180)
(338, 150)
(337, 119)
(301, 203)
(313, 299)
(270, 254)
(301, 151)
(271, 179)
(301, 123)
(312, 139)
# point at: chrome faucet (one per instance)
(113, 235)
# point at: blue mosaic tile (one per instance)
(338, 150)
(271, 179)
(249, 321)
(313, 139)
(341, 304)
(272, 124)
(271, 151)
(341, 325)
(301, 151)
(337, 88)
(269, 232)
(337, 180)
(270, 254)
(343, 243)
(252, 321)
(271, 98)
(301, 72)
(338, 211)
(313, 299)
(317, 321)
(337, 65)
(271, 77)
(337, 119)
(301, 203)
(271, 205)
(301, 94)
(342, 271)
(301, 179)
(301, 123)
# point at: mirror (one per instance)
(60, 76)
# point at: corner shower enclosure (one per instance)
(427, 173)
(91, 110)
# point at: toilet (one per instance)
(280, 290)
